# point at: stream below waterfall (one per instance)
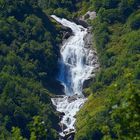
(77, 64)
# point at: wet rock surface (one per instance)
(55, 87)
(68, 106)
(78, 65)
(66, 31)
(81, 22)
(89, 15)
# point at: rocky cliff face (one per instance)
(78, 63)
(66, 31)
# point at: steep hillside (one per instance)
(112, 111)
(29, 52)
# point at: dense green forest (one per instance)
(29, 51)
(112, 111)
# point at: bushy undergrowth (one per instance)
(112, 111)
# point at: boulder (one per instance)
(88, 40)
(66, 29)
(71, 99)
(89, 15)
(66, 35)
(87, 82)
(66, 32)
(55, 86)
(81, 22)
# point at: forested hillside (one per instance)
(29, 52)
(112, 111)
(28, 57)
(28, 61)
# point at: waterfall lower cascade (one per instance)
(77, 64)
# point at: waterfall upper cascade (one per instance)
(77, 64)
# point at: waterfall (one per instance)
(77, 64)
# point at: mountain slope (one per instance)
(28, 58)
(112, 111)
(29, 52)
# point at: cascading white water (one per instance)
(77, 64)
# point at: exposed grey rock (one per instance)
(63, 126)
(61, 114)
(81, 22)
(86, 16)
(93, 59)
(88, 40)
(66, 31)
(86, 83)
(69, 136)
(73, 98)
(89, 15)
(66, 35)
(69, 104)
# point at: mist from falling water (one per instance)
(77, 64)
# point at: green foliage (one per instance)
(109, 15)
(110, 3)
(16, 134)
(38, 129)
(62, 12)
(134, 21)
(28, 59)
(29, 52)
(62, 8)
(41, 130)
(112, 111)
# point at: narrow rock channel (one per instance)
(77, 64)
